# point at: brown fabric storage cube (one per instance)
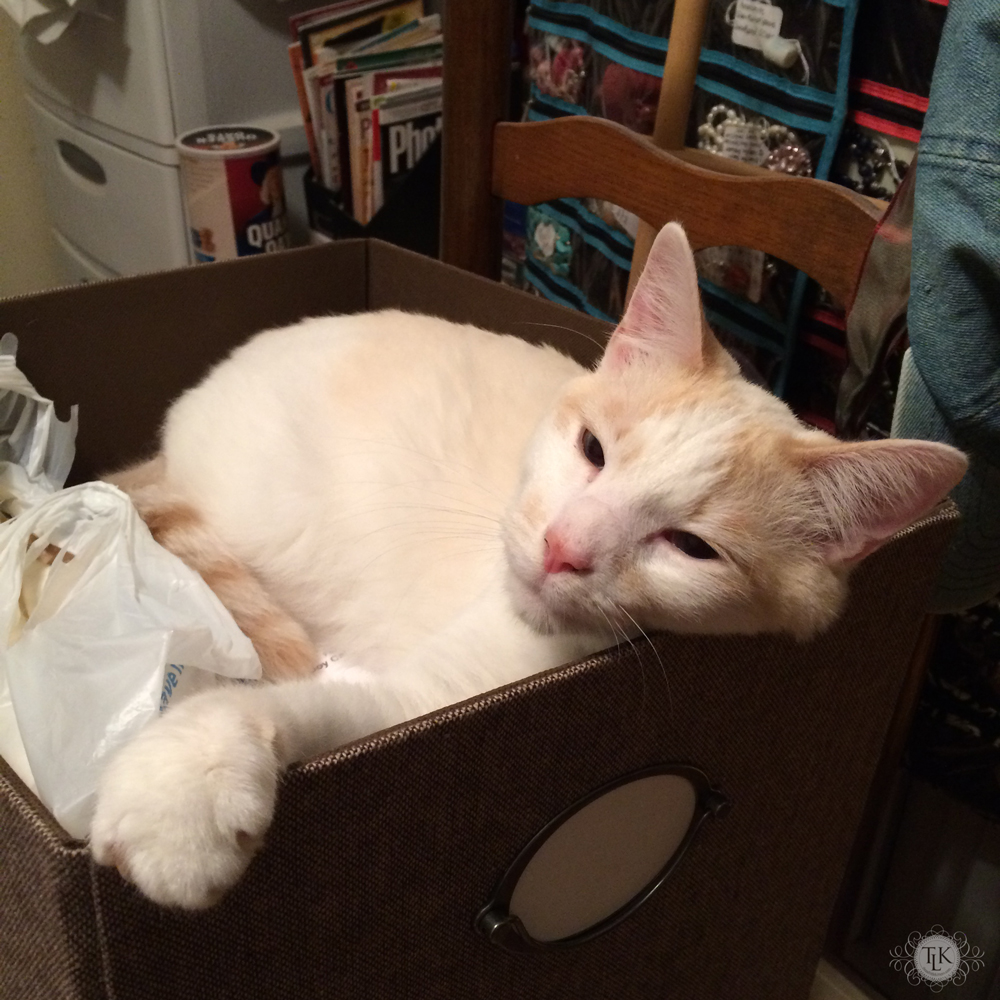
(383, 852)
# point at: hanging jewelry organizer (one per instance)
(892, 61)
(768, 88)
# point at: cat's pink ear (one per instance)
(663, 318)
(870, 490)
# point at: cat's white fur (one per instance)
(390, 484)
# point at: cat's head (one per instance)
(664, 489)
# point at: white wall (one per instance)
(27, 252)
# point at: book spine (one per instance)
(355, 91)
(295, 58)
(330, 133)
(378, 189)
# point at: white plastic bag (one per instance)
(100, 627)
(36, 452)
(36, 447)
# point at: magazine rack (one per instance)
(410, 219)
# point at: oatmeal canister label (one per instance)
(234, 192)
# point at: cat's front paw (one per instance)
(183, 808)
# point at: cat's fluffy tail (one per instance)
(284, 649)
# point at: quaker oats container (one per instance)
(233, 191)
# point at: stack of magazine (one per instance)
(368, 74)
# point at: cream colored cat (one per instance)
(451, 510)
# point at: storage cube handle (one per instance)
(600, 859)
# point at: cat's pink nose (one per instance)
(561, 557)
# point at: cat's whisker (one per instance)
(642, 668)
(566, 329)
(635, 650)
(656, 653)
(614, 631)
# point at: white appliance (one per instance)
(108, 98)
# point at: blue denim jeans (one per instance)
(954, 313)
(970, 572)
(953, 391)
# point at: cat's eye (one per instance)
(690, 545)
(592, 450)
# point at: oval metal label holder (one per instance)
(600, 859)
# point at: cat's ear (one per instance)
(869, 490)
(663, 320)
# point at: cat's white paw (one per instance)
(183, 808)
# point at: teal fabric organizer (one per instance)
(609, 54)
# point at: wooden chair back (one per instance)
(818, 227)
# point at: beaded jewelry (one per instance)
(785, 151)
(790, 158)
(871, 156)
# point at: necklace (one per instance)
(754, 140)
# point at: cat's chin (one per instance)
(529, 605)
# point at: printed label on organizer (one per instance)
(756, 22)
(741, 141)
